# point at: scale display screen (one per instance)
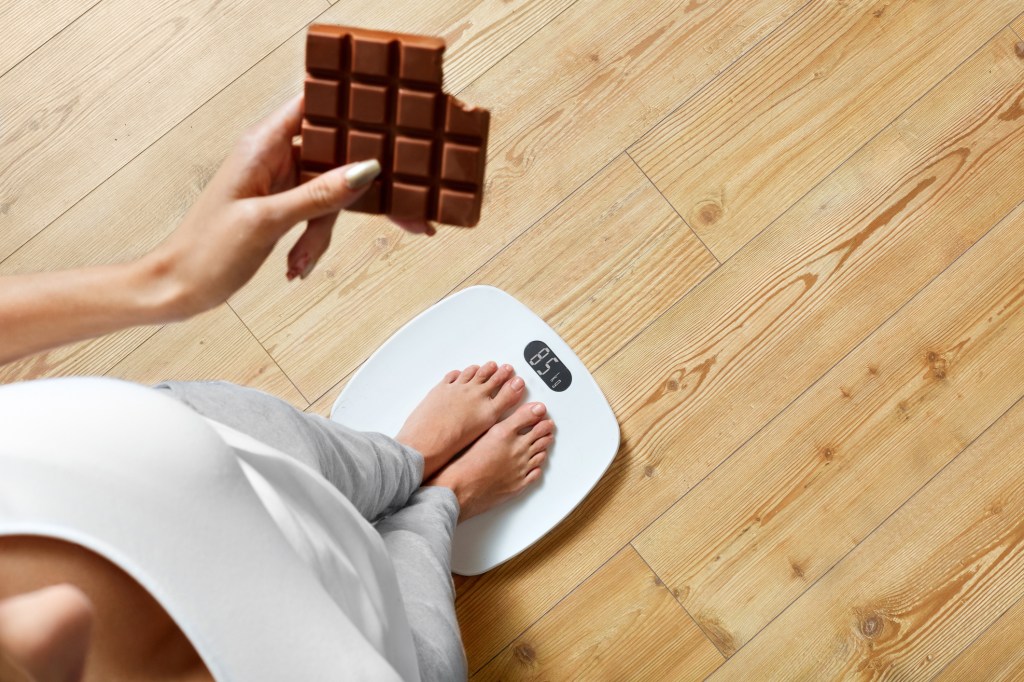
(548, 367)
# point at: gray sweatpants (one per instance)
(381, 477)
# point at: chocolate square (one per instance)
(460, 163)
(412, 156)
(457, 208)
(409, 201)
(416, 109)
(370, 55)
(323, 52)
(364, 145)
(368, 104)
(319, 144)
(420, 63)
(323, 98)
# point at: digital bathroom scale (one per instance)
(470, 327)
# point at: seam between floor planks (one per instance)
(685, 222)
(789, 404)
(679, 603)
(43, 44)
(227, 304)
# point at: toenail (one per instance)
(537, 409)
(507, 368)
(517, 383)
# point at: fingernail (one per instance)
(308, 269)
(537, 409)
(507, 368)
(362, 174)
(517, 383)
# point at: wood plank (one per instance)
(921, 587)
(29, 25)
(112, 224)
(621, 624)
(776, 316)
(85, 103)
(548, 137)
(213, 346)
(798, 496)
(735, 157)
(996, 656)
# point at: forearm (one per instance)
(44, 310)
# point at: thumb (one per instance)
(325, 194)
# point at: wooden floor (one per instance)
(786, 236)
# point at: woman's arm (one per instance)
(44, 310)
(250, 203)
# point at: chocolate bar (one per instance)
(377, 95)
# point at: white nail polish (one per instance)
(362, 174)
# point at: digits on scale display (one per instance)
(548, 367)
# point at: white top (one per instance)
(269, 571)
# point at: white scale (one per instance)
(470, 327)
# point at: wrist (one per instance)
(157, 298)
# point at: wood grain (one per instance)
(622, 624)
(920, 588)
(733, 158)
(213, 346)
(85, 103)
(113, 224)
(996, 656)
(710, 372)
(549, 135)
(27, 25)
(797, 497)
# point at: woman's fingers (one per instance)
(324, 195)
(284, 122)
(310, 246)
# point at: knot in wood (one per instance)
(871, 626)
(709, 213)
(649, 471)
(524, 653)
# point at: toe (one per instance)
(509, 394)
(485, 372)
(499, 378)
(541, 444)
(468, 374)
(542, 429)
(451, 376)
(532, 476)
(537, 460)
(525, 417)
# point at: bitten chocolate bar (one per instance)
(376, 95)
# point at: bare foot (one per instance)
(502, 463)
(458, 410)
